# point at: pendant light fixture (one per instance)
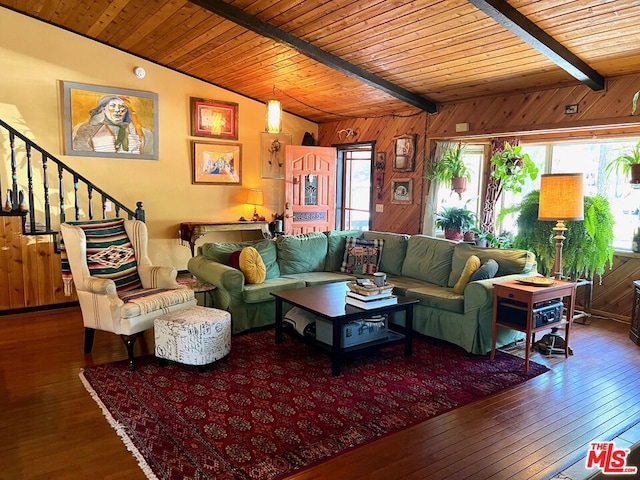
(274, 114)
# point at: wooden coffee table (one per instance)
(327, 301)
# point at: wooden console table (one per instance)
(192, 231)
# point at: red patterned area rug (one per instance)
(266, 410)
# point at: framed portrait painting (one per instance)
(272, 153)
(402, 191)
(109, 122)
(404, 153)
(214, 118)
(217, 163)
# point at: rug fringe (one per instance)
(120, 430)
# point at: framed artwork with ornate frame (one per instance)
(402, 191)
(109, 122)
(272, 146)
(214, 118)
(217, 163)
(404, 153)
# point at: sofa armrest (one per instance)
(479, 294)
(229, 282)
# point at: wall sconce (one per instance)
(274, 114)
(255, 198)
(561, 199)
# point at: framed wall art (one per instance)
(217, 163)
(272, 154)
(402, 191)
(404, 153)
(214, 118)
(109, 122)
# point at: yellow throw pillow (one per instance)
(473, 263)
(252, 265)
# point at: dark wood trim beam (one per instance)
(256, 25)
(529, 32)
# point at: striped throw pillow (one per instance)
(110, 253)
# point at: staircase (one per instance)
(37, 193)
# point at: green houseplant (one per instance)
(451, 169)
(628, 164)
(512, 168)
(588, 245)
(455, 221)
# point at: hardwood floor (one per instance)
(52, 429)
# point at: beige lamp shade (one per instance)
(274, 116)
(561, 197)
(255, 197)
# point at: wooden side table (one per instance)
(528, 296)
(198, 286)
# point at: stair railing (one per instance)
(17, 203)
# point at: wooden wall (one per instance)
(395, 217)
(539, 114)
(30, 274)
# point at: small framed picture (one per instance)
(214, 118)
(402, 191)
(217, 163)
(404, 153)
(272, 146)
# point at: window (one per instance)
(589, 157)
(474, 158)
(356, 192)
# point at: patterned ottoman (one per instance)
(194, 336)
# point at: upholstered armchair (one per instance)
(119, 290)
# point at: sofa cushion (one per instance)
(429, 259)
(510, 260)
(252, 266)
(394, 251)
(472, 265)
(335, 247)
(321, 278)
(361, 256)
(261, 292)
(301, 253)
(486, 271)
(442, 298)
(221, 252)
(234, 259)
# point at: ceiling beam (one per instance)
(529, 32)
(256, 25)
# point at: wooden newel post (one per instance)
(140, 211)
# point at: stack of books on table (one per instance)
(368, 302)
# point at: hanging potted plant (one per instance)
(628, 164)
(455, 221)
(512, 168)
(589, 243)
(451, 170)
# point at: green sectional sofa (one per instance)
(419, 266)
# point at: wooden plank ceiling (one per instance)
(437, 51)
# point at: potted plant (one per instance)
(627, 164)
(455, 221)
(512, 168)
(451, 169)
(588, 245)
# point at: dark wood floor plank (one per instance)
(51, 428)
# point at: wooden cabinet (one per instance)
(634, 331)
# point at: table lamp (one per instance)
(255, 198)
(561, 199)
